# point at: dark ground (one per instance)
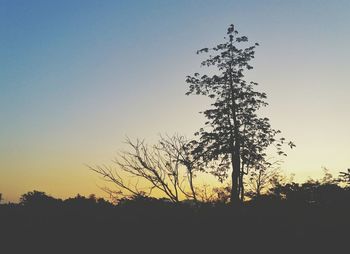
(166, 228)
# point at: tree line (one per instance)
(265, 187)
(312, 216)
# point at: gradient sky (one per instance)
(77, 76)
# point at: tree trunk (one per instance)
(236, 169)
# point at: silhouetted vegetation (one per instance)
(167, 167)
(313, 215)
(345, 177)
(272, 212)
(235, 138)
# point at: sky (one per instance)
(76, 77)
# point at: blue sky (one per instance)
(77, 76)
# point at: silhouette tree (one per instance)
(81, 202)
(168, 167)
(323, 192)
(222, 194)
(344, 177)
(38, 199)
(263, 178)
(234, 136)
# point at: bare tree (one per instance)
(205, 194)
(180, 148)
(263, 178)
(167, 167)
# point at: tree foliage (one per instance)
(234, 136)
(324, 191)
(37, 199)
(344, 177)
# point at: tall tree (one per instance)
(234, 136)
